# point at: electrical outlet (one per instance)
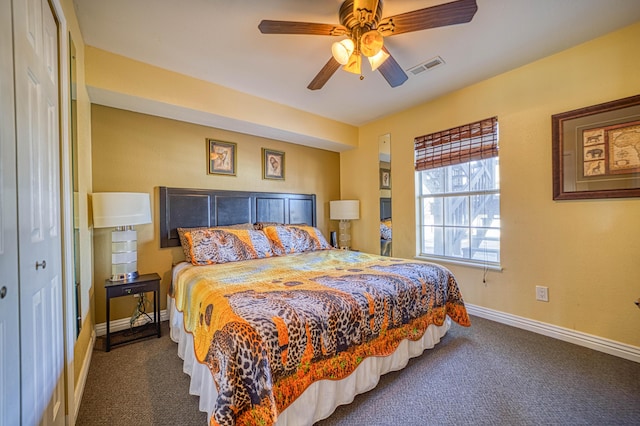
(542, 293)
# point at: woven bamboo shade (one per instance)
(461, 144)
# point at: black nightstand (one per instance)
(142, 284)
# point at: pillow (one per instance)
(385, 229)
(236, 226)
(296, 239)
(217, 245)
(183, 240)
(185, 245)
(259, 226)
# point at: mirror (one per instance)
(384, 164)
(73, 130)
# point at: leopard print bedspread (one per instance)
(268, 328)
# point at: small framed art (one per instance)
(272, 164)
(596, 151)
(385, 179)
(222, 157)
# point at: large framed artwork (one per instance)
(596, 151)
(222, 157)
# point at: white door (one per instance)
(9, 314)
(36, 56)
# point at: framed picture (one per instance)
(272, 164)
(222, 157)
(596, 151)
(385, 179)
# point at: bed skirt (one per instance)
(325, 395)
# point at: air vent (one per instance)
(426, 66)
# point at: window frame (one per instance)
(447, 150)
(420, 197)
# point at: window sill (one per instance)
(461, 262)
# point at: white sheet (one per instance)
(323, 396)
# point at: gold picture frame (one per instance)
(385, 178)
(222, 157)
(596, 151)
(272, 164)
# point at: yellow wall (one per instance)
(586, 252)
(135, 152)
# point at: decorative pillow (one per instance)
(217, 245)
(296, 239)
(185, 245)
(237, 226)
(259, 226)
(183, 240)
(385, 229)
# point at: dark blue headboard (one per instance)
(190, 208)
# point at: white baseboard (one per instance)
(600, 344)
(124, 323)
(84, 372)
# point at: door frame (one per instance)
(66, 209)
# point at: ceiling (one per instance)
(219, 41)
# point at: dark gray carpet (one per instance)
(487, 374)
(137, 384)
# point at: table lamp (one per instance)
(344, 211)
(122, 210)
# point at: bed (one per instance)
(276, 326)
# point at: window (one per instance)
(458, 190)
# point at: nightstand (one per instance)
(141, 284)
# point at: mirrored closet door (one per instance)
(384, 164)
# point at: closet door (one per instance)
(36, 44)
(9, 314)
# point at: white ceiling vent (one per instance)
(426, 66)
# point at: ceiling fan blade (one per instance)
(456, 12)
(324, 75)
(392, 71)
(365, 11)
(291, 27)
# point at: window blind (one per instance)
(461, 144)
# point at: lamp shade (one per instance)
(113, 209)
(342, 50)
(378, 59)
(371, 43)
(344, 209)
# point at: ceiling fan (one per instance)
(362, 23)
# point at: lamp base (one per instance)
(344, 236)
(125, 277)
(124, 254)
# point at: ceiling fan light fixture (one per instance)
(378, 59)
(363, 24)
(342, 50)
(371, 43)
(354, 64)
